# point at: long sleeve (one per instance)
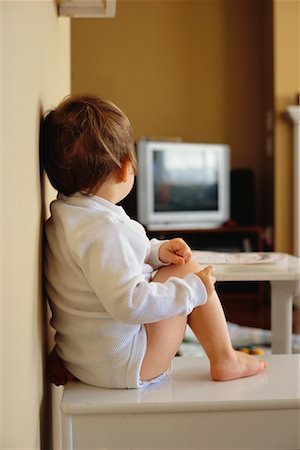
(98, 267)
(152, 257)
(112, 257)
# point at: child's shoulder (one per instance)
(84, 217)
(83, 212)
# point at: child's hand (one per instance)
(175, 251)
(208, 278)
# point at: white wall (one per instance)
(34, 75)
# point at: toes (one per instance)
(263, 365)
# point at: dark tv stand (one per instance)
(223, 239)
(245, 303)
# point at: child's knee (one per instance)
(179, 271)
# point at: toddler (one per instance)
(120, 303)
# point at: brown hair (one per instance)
(83, 141)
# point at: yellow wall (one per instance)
(35, 71)
(193, 69)
(204, 71)
(286, 89)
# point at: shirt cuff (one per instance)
(198, 291)
(153, 255)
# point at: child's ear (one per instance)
(123, 173)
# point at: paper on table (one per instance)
(239, 258)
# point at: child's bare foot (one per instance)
(56, 370)
(237, 365)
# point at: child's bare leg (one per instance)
(163, 337)
(56, 370)
(163, 341)
(209, 325)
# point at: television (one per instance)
(182, 185)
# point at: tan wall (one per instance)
(35, 70)
(286, 89)
(193, 69)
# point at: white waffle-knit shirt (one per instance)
(98, 263)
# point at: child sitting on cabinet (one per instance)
(120, 302)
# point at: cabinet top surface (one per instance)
(189, 388)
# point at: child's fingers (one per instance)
(181, 248)
(173, 258)
(186, 256)
(179, 245)
(209, 270)
(175, 251)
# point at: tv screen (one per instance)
(182, 185)
(185, 184)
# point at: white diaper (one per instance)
(162, 377)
